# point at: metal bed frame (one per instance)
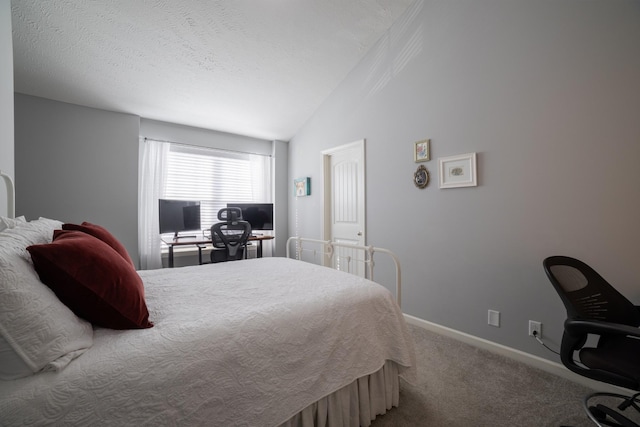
(11, 195)
(326, 253)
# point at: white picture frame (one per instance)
(458, 171)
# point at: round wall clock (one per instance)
(421, 177)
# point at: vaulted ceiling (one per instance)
(253, 67)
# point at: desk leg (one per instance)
(170, 256)
(259, 250)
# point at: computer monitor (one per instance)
(179, 215)
(259, 215)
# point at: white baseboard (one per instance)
(529, 359)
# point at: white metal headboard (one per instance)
(11, 195)
(326, 249)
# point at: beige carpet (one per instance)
(461, 385)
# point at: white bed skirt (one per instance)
(354, 405)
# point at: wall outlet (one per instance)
(494, 318)
(535, 327)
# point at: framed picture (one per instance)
(458, 171)
(302, 186)
(421, 151)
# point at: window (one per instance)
(216, 177)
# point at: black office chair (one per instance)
(230, 236)
(595, 308)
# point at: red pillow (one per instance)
(102, 234)
(92, 279)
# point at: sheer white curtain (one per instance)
(262, 185)
(151, 181)
(261, 178)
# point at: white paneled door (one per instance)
(344, 203)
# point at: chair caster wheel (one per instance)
(597, 413)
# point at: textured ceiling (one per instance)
(253, 67)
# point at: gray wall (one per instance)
(202, 137)
(213, 139)
(6, 100)
(547, 93)
(77, 164)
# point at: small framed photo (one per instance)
(421, 151)
(302, 186)
(458, 171)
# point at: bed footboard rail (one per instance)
(329, 255)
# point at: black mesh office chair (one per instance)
(595, 308)
(230, 236)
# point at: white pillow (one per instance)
(6, 222)
(38, 332)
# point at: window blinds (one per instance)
(216, 177)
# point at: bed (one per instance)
(260, 342)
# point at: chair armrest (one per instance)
(600, 328)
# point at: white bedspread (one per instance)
(245, 343)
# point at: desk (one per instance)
(201, 241)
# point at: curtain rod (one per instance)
(211, 148)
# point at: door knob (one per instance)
(359, 233)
